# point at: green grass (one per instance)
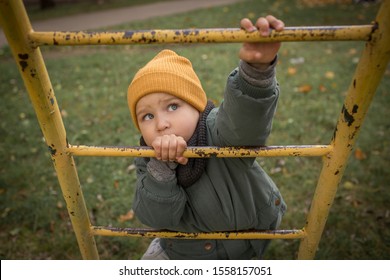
(90, 85)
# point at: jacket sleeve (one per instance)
(245, 116)
(158, 204)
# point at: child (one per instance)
(170, 109)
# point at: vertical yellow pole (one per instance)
(16, 26)
(368, 74)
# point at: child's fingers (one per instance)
(247, 25)
(275, 23)
(172, 147)
(156, 144)
(161, 147)
(182, 160)
(263, 26)
(180, 148)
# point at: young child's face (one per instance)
(161, 114)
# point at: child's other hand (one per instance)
(170, 148)
(259, 54)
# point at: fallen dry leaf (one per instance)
(352, 51)
(359, 154)
(116, 184)
(322, 88)
(130, 168)
(348, 185)
(127, 217)
(306, 88)
(292, 70)
(64, 113)
(329, 75)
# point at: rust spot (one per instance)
(337, 172)
(23, 56)
(128, 35)
(355, 109)
(23, 64)
(52, 150)
(347, 116)
(33, 72)
(354, 83)
(375, 26)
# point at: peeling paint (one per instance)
(128, 35)
(354, 133)
(33, 72)
(23, 56)
(22, 62)
(52, 150)
(375, 27)
(347, 116)
(355, 109)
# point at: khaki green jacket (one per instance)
(232, 194)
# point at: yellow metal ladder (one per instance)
(25, 46)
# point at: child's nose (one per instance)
(162, 123)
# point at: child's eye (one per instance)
(173, 107)
(148, 117)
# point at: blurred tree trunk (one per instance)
(47, 4)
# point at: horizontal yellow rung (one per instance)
(153, 233)
(212, 35)
(204, 152)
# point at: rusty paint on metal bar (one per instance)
(212, 35)
(205, 152)
(16, 26)
(153, 233)
(369, 72)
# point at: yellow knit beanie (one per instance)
(167, 73)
